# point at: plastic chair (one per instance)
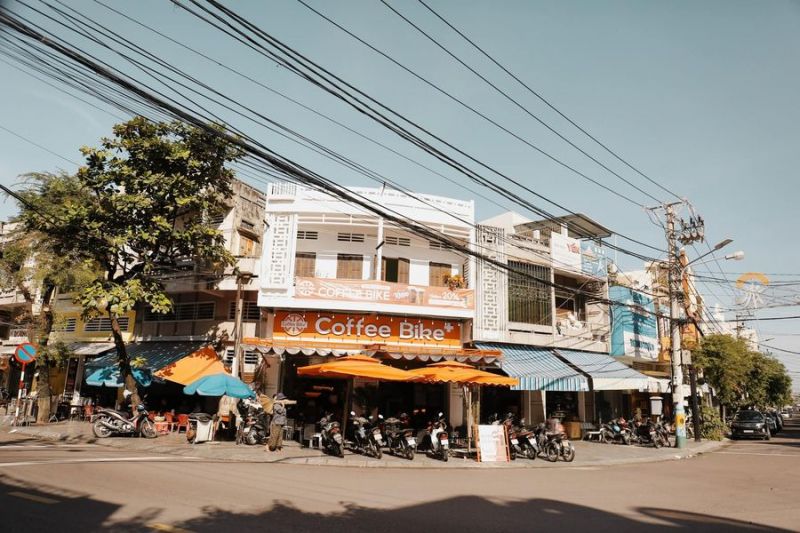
(88, 411)
(183, 422)
(169, 418)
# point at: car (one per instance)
(786, 415)
(750, 424)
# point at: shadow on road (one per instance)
(42, 508)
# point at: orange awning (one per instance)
(455, 372)
(357, 366)
(194, 366)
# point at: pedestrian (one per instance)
(279, 404)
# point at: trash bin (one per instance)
(202, 428)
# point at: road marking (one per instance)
(764, 454)
(32, 497)
(168, 528)
(96, 460)
(43, 446)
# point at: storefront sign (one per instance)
(593, 259)
(383, 292)
(365, 329)
(634, 331)
(492, 443)
(565, 252)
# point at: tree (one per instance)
(30, 266)
(150, 188)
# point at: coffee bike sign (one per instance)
(365, 329)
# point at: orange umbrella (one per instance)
(455, 372)
(357, 366)
(203, 362)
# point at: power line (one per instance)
(37, 145)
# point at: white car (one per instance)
(785, 415)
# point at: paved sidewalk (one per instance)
(588, 454)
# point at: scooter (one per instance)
(527, 441)
(440, 443)
(252, 427)
(616, 430)
(399, 437)
(645, 433)
(514, 446)
(558, 445)
(331, 436)
(367, 438)
(113, 423)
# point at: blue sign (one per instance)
(593, 259)
(634, 329)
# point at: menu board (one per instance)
(492, 443)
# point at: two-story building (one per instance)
(547, 311)
(338, 280)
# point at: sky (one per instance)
(701, 96)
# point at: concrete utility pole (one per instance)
(675, 330)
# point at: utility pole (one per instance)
(675, 330)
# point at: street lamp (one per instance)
(735, 256)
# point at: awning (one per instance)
(606, 372)
(146, 357)
(90, 348)
(203, 362)
(537, 368)
(658, 385)
(294, 350)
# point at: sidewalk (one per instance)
(588, 454)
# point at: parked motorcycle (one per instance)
(616, 430)
(514, 446)
(662, 431)
(528, 442)
(558, 445)
(439, 438)
(399, 437)
(367, 438)
(252, 428)
(331, 436)
(112, 423)
(645, 433)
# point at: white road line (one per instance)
(96, 460)
(44, 446)
(763, 454)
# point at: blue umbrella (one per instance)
(219, 384)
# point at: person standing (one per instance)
(275, 442)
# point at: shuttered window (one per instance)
(528, 299)
(250, 311)
(103, 324)
(395, 270)
(305, 264)
(438, 273)
(349, 266)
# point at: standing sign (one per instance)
(24, 354)
(492, 443)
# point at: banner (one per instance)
(565, 252)
(382, 292)
(593, 259)
(634, 331)
(343, 328)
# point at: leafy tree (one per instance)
(149, 188)
(30, 266)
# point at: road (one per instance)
(747, 486)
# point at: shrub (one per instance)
(712, 428)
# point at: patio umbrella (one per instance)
(357, 366)
(218, 385)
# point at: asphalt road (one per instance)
(747, 486)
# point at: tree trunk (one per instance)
(123, 361)
(43, 361)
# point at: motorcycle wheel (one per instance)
(410, 453)
(627, 440)
(338, 450)
(100, 431)
(148, 429)
(657, 442)
(512, 453)
(445, 455)
(378, 452)
(607, 437)
(530, 452)
(568, 453)
(551, 451)
(251, 438)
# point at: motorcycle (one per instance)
(514, 445)
(109, 422)
(528, 442)
(367, 438)
(400, 438)
(252, 428)
(662, 431)
(331, 436)
(616, 430)
(558, 445)
(440, 442)
(645, 433)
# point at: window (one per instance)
(307, 235)
(250, 357)
(215, 220)
(438, 272)
(395, 270)
(349, 266)
(436, 245)
(247, 246)
(67, 326)
(567, 301)
(247, 225)
(250, 311)
(351, 237)
(529, 299)
(397, 241)
(183, 311)
(103, 324)
(305, 264)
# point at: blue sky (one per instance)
(699, 95)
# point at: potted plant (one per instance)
(454, 282)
